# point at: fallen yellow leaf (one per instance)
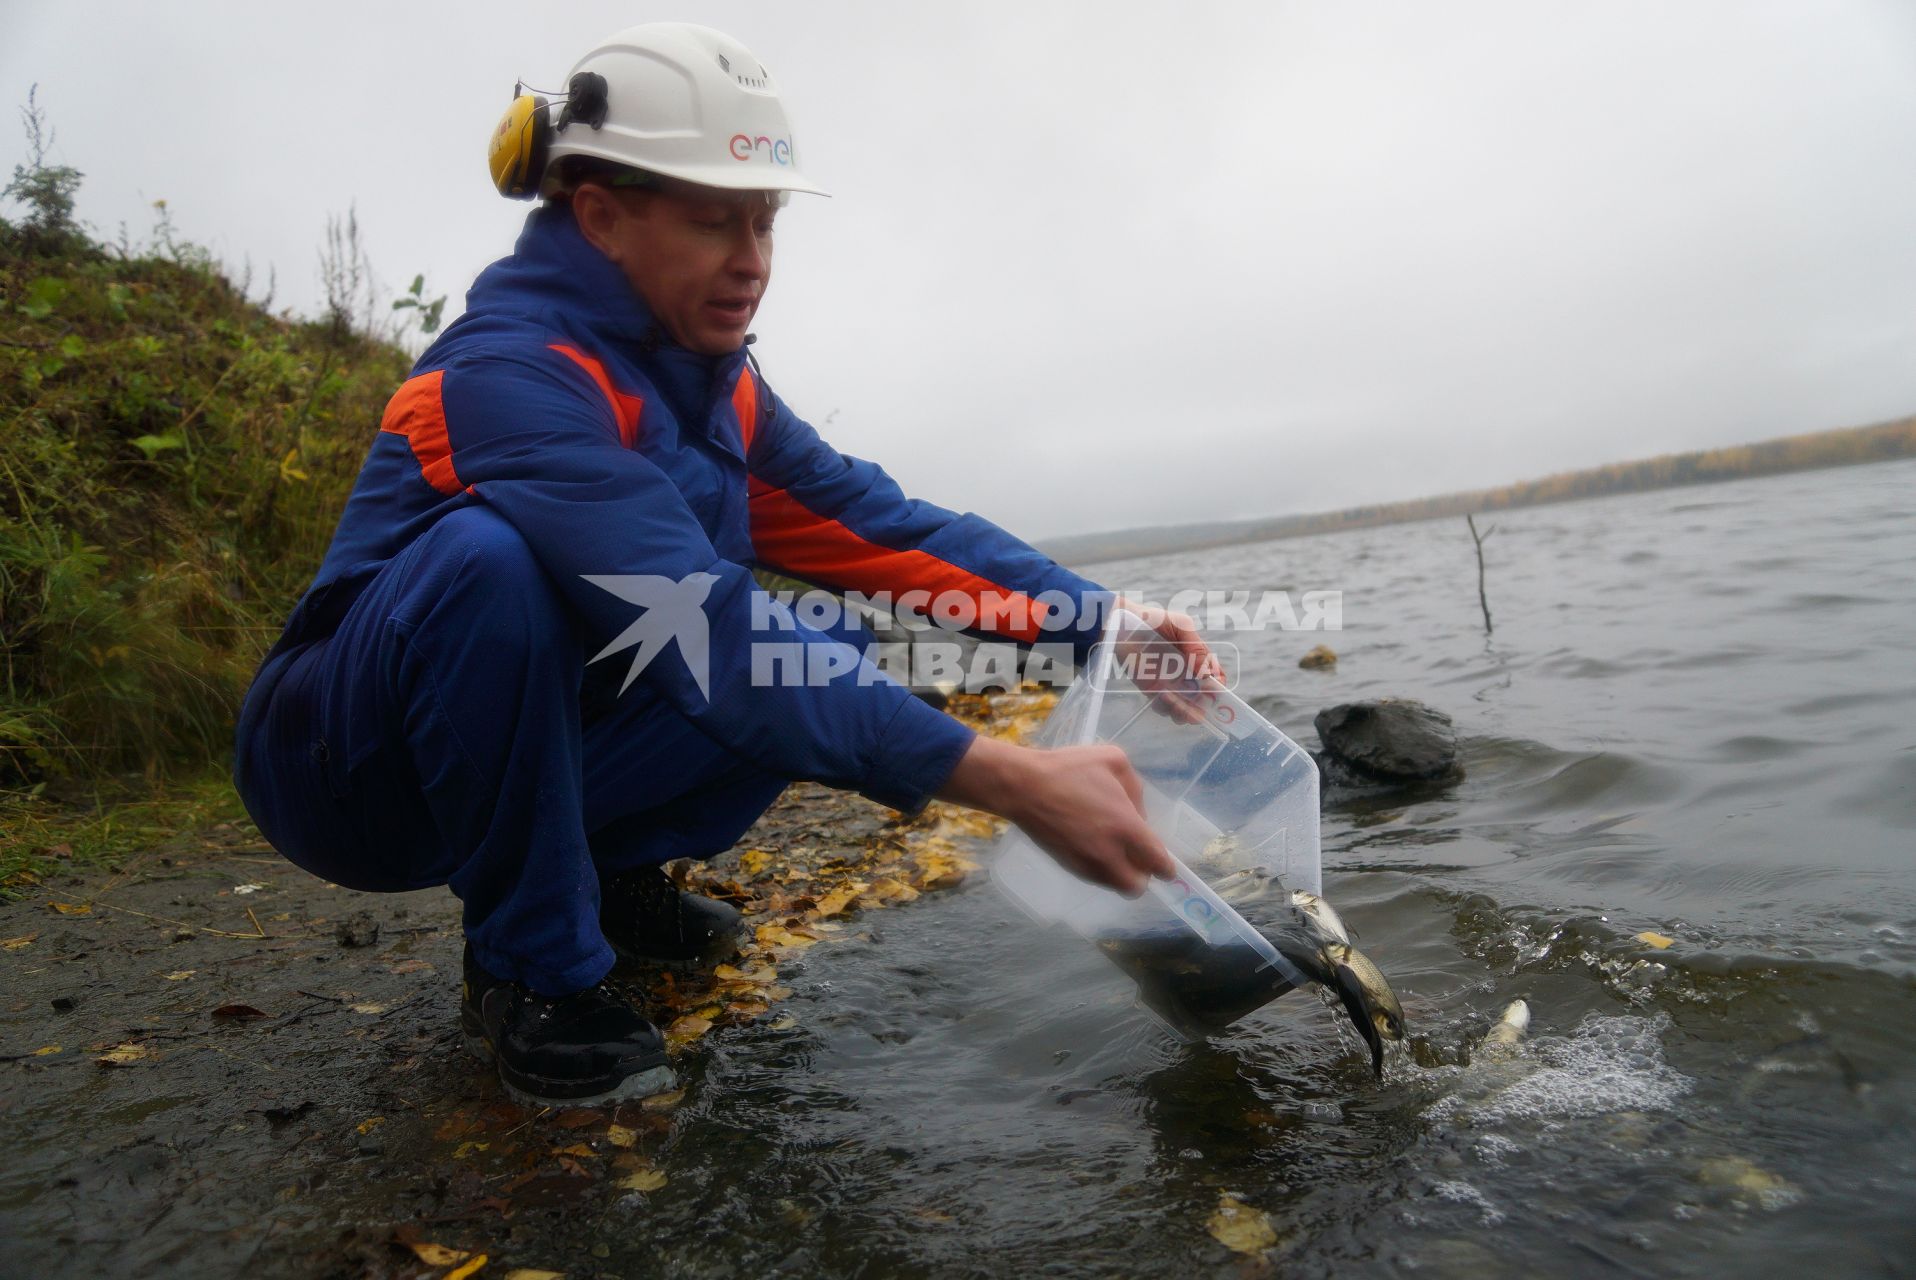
(840, 898)
(439, 1255)
(576, 1149)
(965, 822)
(731, 973)
(687, 1029)
(643, 1180)
(777, 935)
(369, 1124)
(44, 1050)
(72, 908)
(181, 975)
(891, 889)
(467, 1148)
(663, 1101)
(24, 940)
(754, 862)
(776, 993)
(121, 1054)
(468, 1269)
(620, 1136)
(368, 1007)
(942, 870)
(1238, 1226)
(1658, 940)
(530, 1273)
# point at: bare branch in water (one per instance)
(1482, 600)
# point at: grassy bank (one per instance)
(173, 457)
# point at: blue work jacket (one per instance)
(557, 401)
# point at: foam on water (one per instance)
(1607, 1064)
(1495, 1150)
(1463, 1193)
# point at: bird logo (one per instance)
(674, 610)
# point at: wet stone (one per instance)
(1390, 740)
(358, 930)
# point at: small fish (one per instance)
(1362, 990)
(1322, 914)
(1312, 937)
(1386, 1014)
(1503, 1038)
(1250, 887)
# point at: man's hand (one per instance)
(1179, 684)
(1082, 805)
(1181, 630)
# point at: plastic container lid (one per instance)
(1224, 789)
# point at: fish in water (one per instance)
(1308, 932)
(1356, 973)
(1360, 987)
(1503, 1038)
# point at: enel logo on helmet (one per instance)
(744, 147)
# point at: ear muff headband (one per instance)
(517, 155)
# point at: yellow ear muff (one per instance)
(517, 154)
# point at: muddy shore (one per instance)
(216, 1063)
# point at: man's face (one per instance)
(700, 257)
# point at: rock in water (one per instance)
(1321, 658)
(1391, 740)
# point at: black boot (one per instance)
(565, 1050)
(645, 917)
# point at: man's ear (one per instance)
(598, 214)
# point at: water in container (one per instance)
(1225, 791)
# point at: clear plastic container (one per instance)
(1224, 789)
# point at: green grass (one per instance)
(41, 838)
(173, 459)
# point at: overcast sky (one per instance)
(1087, 268)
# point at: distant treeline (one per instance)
(1843, 447)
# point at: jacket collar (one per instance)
(558, 279)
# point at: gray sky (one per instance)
(1089, 266)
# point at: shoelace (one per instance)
(545, 1008)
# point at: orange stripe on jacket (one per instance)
(793, 538)
(745, 405)
(624, 407)
(417, 411)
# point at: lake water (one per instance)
(1696, 716)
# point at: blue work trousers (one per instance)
(450, 732)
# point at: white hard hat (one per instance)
(687, 102)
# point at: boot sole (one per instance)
(537, 1091)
